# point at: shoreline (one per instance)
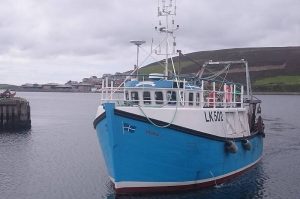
(254, 93)
(276, 93)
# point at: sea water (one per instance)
(60, 156)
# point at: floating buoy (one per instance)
(230, 146)
(246, 144)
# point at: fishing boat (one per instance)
(165, 132)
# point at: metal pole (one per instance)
(138, 43)
(111, 89)
(242, 96)
(102, 89)
(234, 91)
(231, 91)
(137, 59)
(214, 94)
(137, 55)
(225, 95)
(167, 47)
(248, 80)
(201, 96)
(106, 88)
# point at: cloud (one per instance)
(58, 40)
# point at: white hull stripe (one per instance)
(125, 184)
(182, 128)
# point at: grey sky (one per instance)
(58, 40)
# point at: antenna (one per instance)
(166, 13)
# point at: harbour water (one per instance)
(60, 156)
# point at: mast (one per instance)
(138, 43)
(167, 10)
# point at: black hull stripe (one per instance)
(99, 119)
(172, 126)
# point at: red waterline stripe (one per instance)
(137, 190)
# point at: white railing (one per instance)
(203, 97)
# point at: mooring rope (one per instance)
(164, 126)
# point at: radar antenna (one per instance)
(138, 43)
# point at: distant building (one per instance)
(49, 86)
(90, 84)
(70, 82)
(27, 85)
(63, 88)
(118, 82)
(107, 75)
(31, 87)
(84, 87)
(93, 80)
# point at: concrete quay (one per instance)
(14, 114)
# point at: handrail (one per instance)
(217, 100)
(205, 96)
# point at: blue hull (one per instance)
(140, 156)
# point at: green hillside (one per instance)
(279, 83)
(268, 66)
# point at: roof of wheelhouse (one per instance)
(162, 83)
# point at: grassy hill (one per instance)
(271, 68)
(279, 84)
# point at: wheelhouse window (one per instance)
(159, 97)
(135, 97)
(191, 99)
(146, 97)
(176, 84)
(171, 97)
(126, 95)
(181, 98)
(197, 99)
